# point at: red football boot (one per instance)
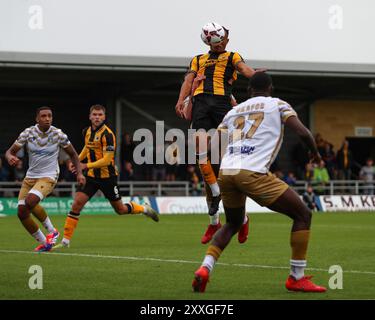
(52, 237)
(211, 230)
(44, 247)
(304, 284)
(244, 232)
(200, 279)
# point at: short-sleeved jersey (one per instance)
(218, 68)
(43, 150)
(255, 128)
(98, 142)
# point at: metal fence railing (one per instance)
(337, 187)
(132, 188)
(183, 188)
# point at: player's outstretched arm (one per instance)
(247, 71)
(11, 154)
(184, 92)
(74, 157)
(244, 69)
(305, 134)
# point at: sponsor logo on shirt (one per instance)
(43, 152)
(243, 150)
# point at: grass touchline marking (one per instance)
(242, 265)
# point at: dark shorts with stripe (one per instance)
(108, 186)
(209, 110)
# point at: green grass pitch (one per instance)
(131, 257)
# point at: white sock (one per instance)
(245, 219)
(215, 219)
(39, 236)
(215, 189)
(297, 268)
(209, 262)
(48, 225)
(65, 241)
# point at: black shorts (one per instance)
(209, 110)
(108, 186)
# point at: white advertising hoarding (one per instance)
(192, 205)
(348, 203)
(189, 205)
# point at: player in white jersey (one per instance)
(255, 131)
(43, 142)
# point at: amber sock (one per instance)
(212, 255)
(70, 225)
(135, 208)
(299, 241)
(209, 177)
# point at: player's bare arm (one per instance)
(197, 81)
(82, 156)
(305, 134)
(244, 69)
(11, 154)
(81, 180)
(184, 92)
(187, 111)
(233, 100)
(247, 71)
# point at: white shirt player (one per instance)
(255, 128)
(43, 150)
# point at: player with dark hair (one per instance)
(101, 174)
(216, 71)
(42, 142)
(255, 129)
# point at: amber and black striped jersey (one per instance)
(99, 149)
(219, 69)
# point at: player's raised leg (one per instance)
(134, 208)
(244, 230)
(42, 188)
(211, 185)
(214, 219)
(111, 191)
(290, 204)
(31, 193)
(207, 170)
(24, 209)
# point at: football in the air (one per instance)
(212, 33)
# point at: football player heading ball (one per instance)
(209, 81)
